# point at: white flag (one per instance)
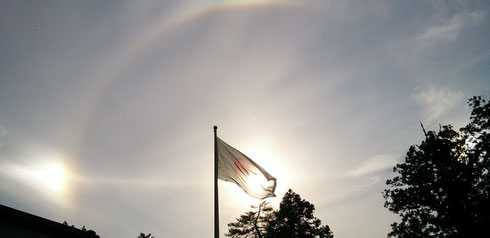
(234, 166)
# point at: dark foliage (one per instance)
(442, 189)
(142, 235)
(249, 225)
(293, 219)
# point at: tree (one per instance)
(442, 189)
(142, 235)
(252, 224)
(295, 219)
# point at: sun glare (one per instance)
(46, 176)
(264, 153)
(52, 177)
(256, 181)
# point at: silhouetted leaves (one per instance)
(249, 225)
(142, 235)
(294, 219)
(442, 189)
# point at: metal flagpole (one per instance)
(216, 208)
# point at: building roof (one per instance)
(14, 219)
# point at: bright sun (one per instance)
(52, 176)
(47, 176)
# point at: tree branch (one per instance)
(423, 129)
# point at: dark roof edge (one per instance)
(12, 215)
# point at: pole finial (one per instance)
(215, 127)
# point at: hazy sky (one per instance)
(107, 107)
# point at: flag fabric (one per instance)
(234, 166)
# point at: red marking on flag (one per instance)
(239, 167)
(244, 167)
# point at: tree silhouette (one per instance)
(294, 219)
(252, 224)
(442, 189)
(142, 235)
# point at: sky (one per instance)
(107, 108)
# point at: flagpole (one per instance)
(216, 208)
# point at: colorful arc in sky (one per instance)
(158, 31)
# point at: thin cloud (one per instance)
(438, 102)
(373, 165)
(449, 30)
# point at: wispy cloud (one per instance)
(374, 164)
(438, 101)
(449, 29)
